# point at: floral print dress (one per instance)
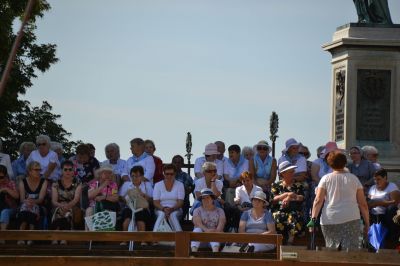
(288, 219)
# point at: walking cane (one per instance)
(312, 244)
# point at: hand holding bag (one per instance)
(135, 195)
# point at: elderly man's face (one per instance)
(112, 153)
(43, 147)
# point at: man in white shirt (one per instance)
(113, 156)
(139, 157)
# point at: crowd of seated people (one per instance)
(248, 191)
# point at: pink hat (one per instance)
(330, 146)
(211, 149)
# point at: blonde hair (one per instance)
(245, 175)
(30, 166)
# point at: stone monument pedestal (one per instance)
(366, 89)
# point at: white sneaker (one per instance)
(63, 242)
(30, 242)
(215, 249)
(54, 242)
(195, 249)
(20, 242)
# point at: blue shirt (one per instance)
(19, 166)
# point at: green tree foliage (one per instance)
(16, 123)
(29, 122)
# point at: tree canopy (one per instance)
(19, 121)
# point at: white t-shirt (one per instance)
(168, 198)
(241, 193)
(147, 163)
(340, 201)
(51, 157)
(200, 183)
(118, 168)
(145, 187)
(201, 160)
(375, 194)
(230, 170)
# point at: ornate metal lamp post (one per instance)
(188, 150)
(273, 129)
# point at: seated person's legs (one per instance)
(174, 218)
(160, 216)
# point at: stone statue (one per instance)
(373, 11)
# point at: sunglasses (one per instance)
(211, 171)
(262, 148)
(68, 169)
(41, 144)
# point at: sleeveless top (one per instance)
(263, 168)
(33, 194)
(66, 194)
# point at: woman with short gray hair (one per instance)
(113, 159)
(48, 159)
(371, 154)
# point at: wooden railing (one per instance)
(182, 239)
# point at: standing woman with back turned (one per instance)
(344, 199)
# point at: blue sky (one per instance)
(217, 68)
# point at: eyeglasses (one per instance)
(169, 174)
(37, 169)
(304, 153)
(41, 144)
(262, 148)
(68, 169)
(211, 171)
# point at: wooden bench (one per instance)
(181, 247)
